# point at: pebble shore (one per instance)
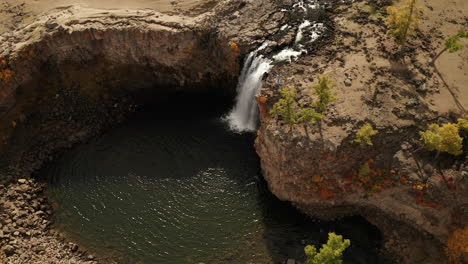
(25, 228)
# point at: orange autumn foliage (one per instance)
(6, 75)
(457, 245)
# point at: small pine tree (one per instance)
(330, 253)
(293, 113)
(444, 138)
(452, 44)
(363, 136)
(403, 20)
(308, 115)
(286, 107)
(322, 89)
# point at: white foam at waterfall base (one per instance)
(244, 115)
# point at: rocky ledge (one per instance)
(417, 199)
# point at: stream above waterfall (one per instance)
(174, 185)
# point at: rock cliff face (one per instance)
(75, 70)
(396, 183)
(69, 73)
(98, 56)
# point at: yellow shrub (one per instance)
(444, 138)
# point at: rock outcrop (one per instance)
(396, 183)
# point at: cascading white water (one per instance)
(244, 115)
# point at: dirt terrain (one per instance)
(14, 13)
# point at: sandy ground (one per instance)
(441, 20)
(16, 12)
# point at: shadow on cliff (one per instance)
(288, 231)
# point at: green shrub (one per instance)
(453, 44)
(364, 171)
(290, 111)
(308, 115)
(330, 253)
(363, 136)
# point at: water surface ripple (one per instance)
(172, 188)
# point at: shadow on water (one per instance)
(173, 186)
(288, 231)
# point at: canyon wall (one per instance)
(396, 183)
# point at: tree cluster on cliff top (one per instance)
(403, 20)
(292, 112)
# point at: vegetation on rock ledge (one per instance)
(323, 90)
(444, 138)
(403, 20)
(293, 112)
(330, 253)
(457, 245)
(363, 136)
(290, 110)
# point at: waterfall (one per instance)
(244, 115)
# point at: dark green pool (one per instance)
(174, 186)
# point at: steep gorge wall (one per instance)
(75, 70)
(65, 78)
(396, 183)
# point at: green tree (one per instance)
(403, 20)
(363, 136)
(285, 108)
(330, 253)
(444, 138)
(323, 90)
(452, 44)
(288, 109)
(308, 115)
